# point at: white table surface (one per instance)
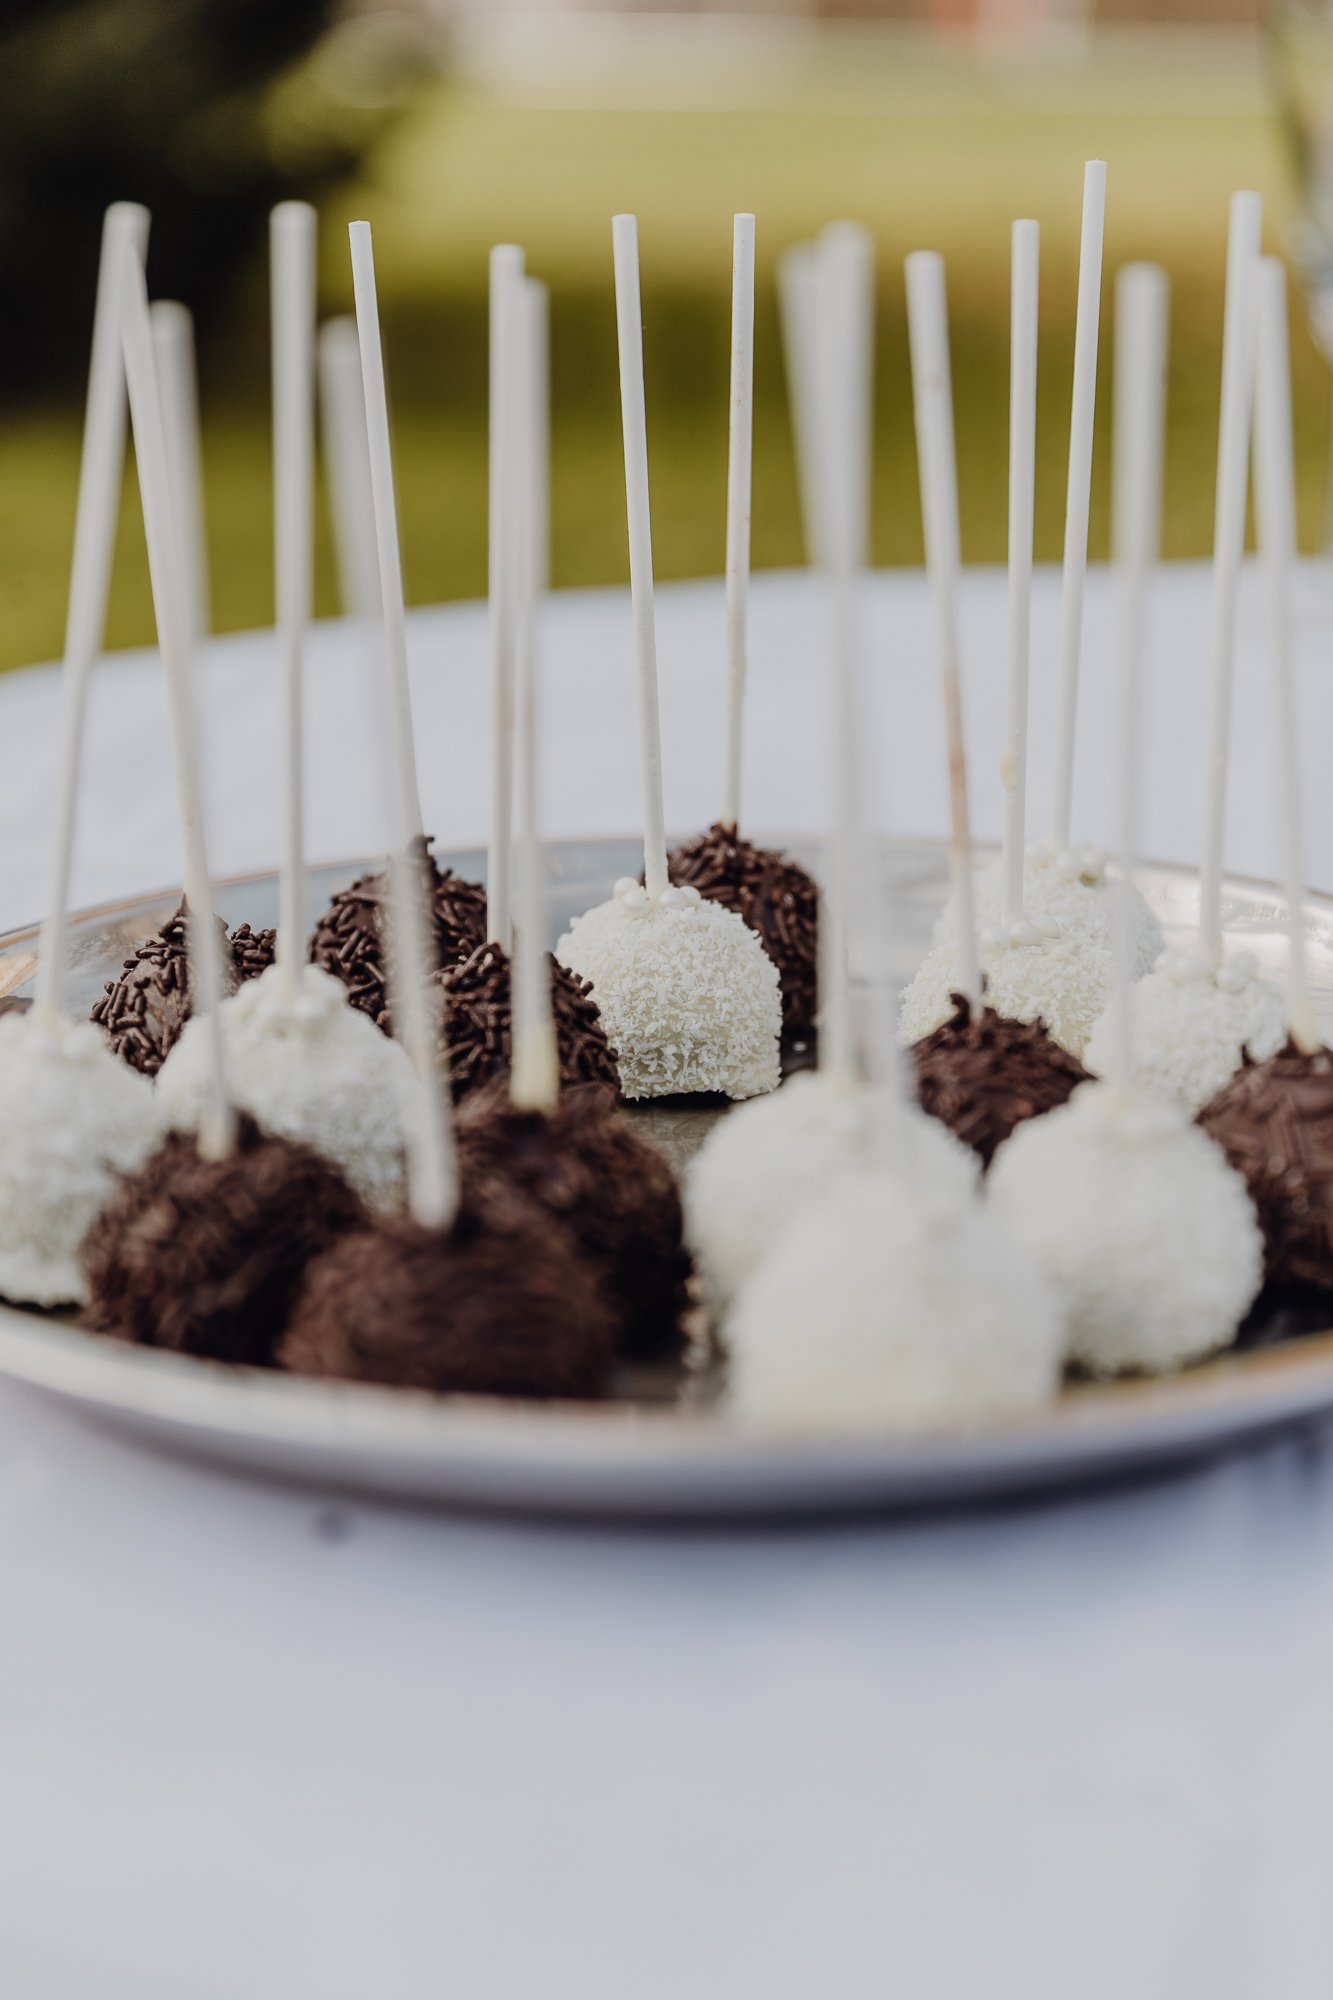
(259, 1744)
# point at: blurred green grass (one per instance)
(927, 156)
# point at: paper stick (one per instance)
(1078, 493)
(432, 1171)
(217, 1124)
(1022, 477)
(844, 357)
(178, 386)
(292, 254)
(347, 467)
(124, 229)
(634, 423)
(535, 1076)
(1142, 304)
(928, 335)
(797, 282)
(1233, 459)
(506, 274)
(1275, 496)
(739, 468)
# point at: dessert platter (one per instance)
(690, 1178)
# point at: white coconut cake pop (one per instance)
(1033, 972)
(72, 1120)
(1191, 1026)
(1075, 891)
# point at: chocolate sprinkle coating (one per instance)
(774, 896)
(586, 1165)
(982, 1078)
(1274, 1122)
(206, 1256)
(350, 939)
(476, 1023)
(499, 1304)
(144, 1011)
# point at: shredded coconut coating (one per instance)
(1146, 1235)
(73, 1118)
(883, 1311)
(1076, 891)
(1061, 981)
(319, 1072)
(767, 1162)
(1190, 1026)
(688, 996)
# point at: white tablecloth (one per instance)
(254, 1743)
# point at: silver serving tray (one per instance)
(664, 1446)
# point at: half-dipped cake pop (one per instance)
(1143, 1231)
(768, 890)
(983, 1074)
(144, 1011)
(688, 996)
(349, 939)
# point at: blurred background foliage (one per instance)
(451, 136)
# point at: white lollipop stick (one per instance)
(928, 334)
(1022, 477)
(534, 1080)
(125, 229)
(217, 1124)
(1142, 304)
(432, 1171)
(1275, 495)
(797, 288)
(178, 385)
(1078, 493)
(347, 465)
(739, 467)
(292, 254)
(506, 275)
(1233, 460)
(634, 422)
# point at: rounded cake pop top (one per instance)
(774, 896)
(765, 1164)
(205, 1256)
(315, 1071)
(1274, 1122)
(350, 940)
(1142, 1230)
(982, 1076)
(144, 1011)
(1032, 972)
(501, 1303)
(584, 1163)
(72, 1118)
(687, 994)
(476, 1021)
(1190, 1026)
(1073, 890)
(886, 1310)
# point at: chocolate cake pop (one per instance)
(501, 1303)
(584, 1163)
(144, 1011)
(774, 896)
(205, 1256)
(350, 942)
(476, 1023)
(1274, 1122)
(982, 1075)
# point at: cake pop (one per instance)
(349, 939)
(769, 891)
(490, 1298)
(982, 1075)
(1069, 892)
(205, 1256)
(1029, 976)
(1107, 1190)
(1274, 1119)
(144, 1011)
(1192, 1025)
(476, 1023)
(688, 996)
